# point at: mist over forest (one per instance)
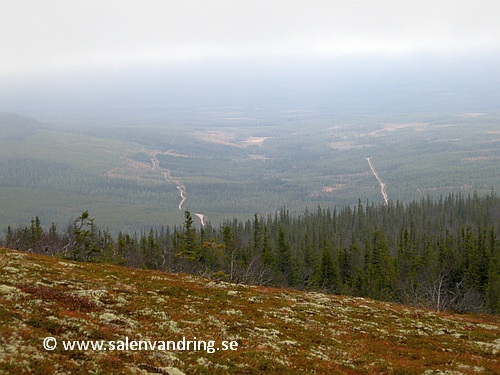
(372, 84)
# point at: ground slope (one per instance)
(276, 330)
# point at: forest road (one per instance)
(155, 166)
(382, 184)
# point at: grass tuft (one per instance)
(67, 300)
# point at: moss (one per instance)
(278, 331)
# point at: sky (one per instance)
(80, 49)
(45, 36)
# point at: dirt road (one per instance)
(382, 184)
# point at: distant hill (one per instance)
(255, 329)
(14, 126)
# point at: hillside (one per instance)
(257, 329)
(236, 162)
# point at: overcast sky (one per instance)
(40, 36)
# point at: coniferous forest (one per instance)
(442, 253)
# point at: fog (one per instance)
(371, 84)
(88, 59)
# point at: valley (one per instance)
(132, 177)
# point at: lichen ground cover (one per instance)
(273, 330)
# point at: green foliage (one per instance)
(83, 239)
(442, 254)
(378, 267)
(304, 161)
(284, 258)
(150, 250)
(327, 275)
(187, 245)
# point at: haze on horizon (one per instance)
(92, 53)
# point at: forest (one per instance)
(234, 162)
(442, 253)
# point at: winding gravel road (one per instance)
(382, 184)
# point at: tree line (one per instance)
(439, 253)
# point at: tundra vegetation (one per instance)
(442, 254)
(280, 331)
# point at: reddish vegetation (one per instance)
(277, 330)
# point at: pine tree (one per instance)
(380, 267)
(188, 247)
(150, 250)
(327, 277)
(83, 244)
(284, 258)
(492, 293)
